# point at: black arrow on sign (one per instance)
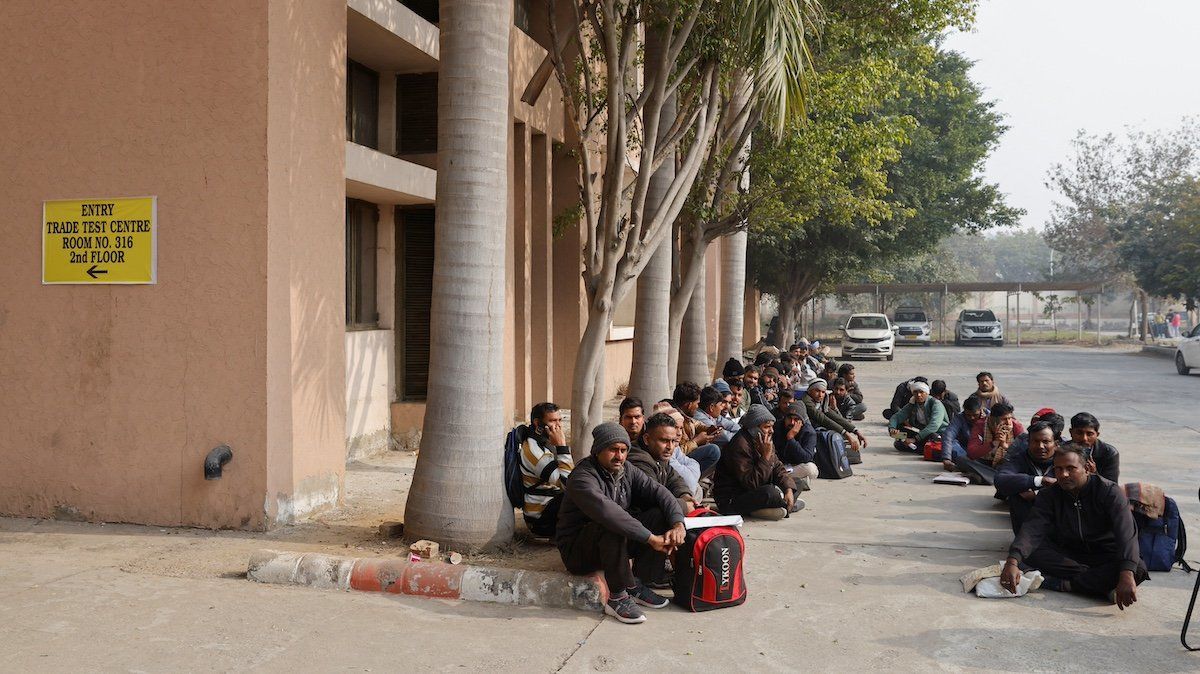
(93, 272)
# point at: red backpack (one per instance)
(708, 567)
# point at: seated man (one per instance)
(989, 443)
(697, 441)
(733, 374)
(632, 418)
(726, 395)
(710, 415)
(597, 533)
(546, 464)
(987, 393)
(1047, 414)
(1026, 472)
(750, 478)
(958, 433)
(1102, 457)
(687, 467)
(829, 372)
(950, 401)
(652, 455)
(786, 398)
(901, 396)
(770, 385)
(846, 405)
(921, 420)
(796, 443)
(846, 371)
(1080, 535)
(829, 419)
(750, 383)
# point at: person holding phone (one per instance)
(546, 463)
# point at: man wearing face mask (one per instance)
(1023, 474)
(1080, 535)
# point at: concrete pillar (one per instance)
(542, 276)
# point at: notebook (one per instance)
(952, 478)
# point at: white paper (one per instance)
(712, 521)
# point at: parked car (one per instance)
(978, 325)
(868, 335)
(1187, 353)
(913, 326)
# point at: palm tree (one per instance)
(457, 495)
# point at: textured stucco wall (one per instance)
(370, 362)
(113, 395)
(232, 114)
(306, 383)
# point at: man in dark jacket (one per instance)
(652, 455)
(796, 444)
(750, 479)
(596, 531)
(1080, 535)
(1102, 457)
(938, 390)
(1024, 473)
(846, 405)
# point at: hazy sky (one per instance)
(1056, 66)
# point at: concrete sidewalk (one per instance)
(864, 578)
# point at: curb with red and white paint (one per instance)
(430, 579)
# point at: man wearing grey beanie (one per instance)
(750, 479)
(597, 533)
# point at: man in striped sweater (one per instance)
(546, 464)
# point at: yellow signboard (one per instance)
(100, 240)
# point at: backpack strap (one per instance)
(1181, 547)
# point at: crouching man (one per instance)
(1080, 535)
(597, 533)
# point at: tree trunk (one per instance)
(650, 376)
(587, 395)
(733, 297)
(457, 495)
(688, 266)
(1145, 322)
(787, 322)
(693, 342)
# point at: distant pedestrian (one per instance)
(1176, 321)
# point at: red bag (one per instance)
(708, 567)
(933, 450)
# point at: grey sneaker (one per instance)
(773, 514)
(797, 506)
(624, 609)
(647, 597)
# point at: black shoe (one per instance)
(623, 609)
(659, 584)
(647, 597)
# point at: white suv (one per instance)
(914, 326)
(868, 335)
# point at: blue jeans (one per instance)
(706, 456)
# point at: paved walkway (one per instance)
(866, 577)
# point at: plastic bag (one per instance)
(989, 588)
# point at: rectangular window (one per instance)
(362, 227)
(415, 264)
(416, 113)
(362, 105)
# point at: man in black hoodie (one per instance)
(1080, 535)
(596, 532)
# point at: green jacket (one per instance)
(934, 411)
(828, 419)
